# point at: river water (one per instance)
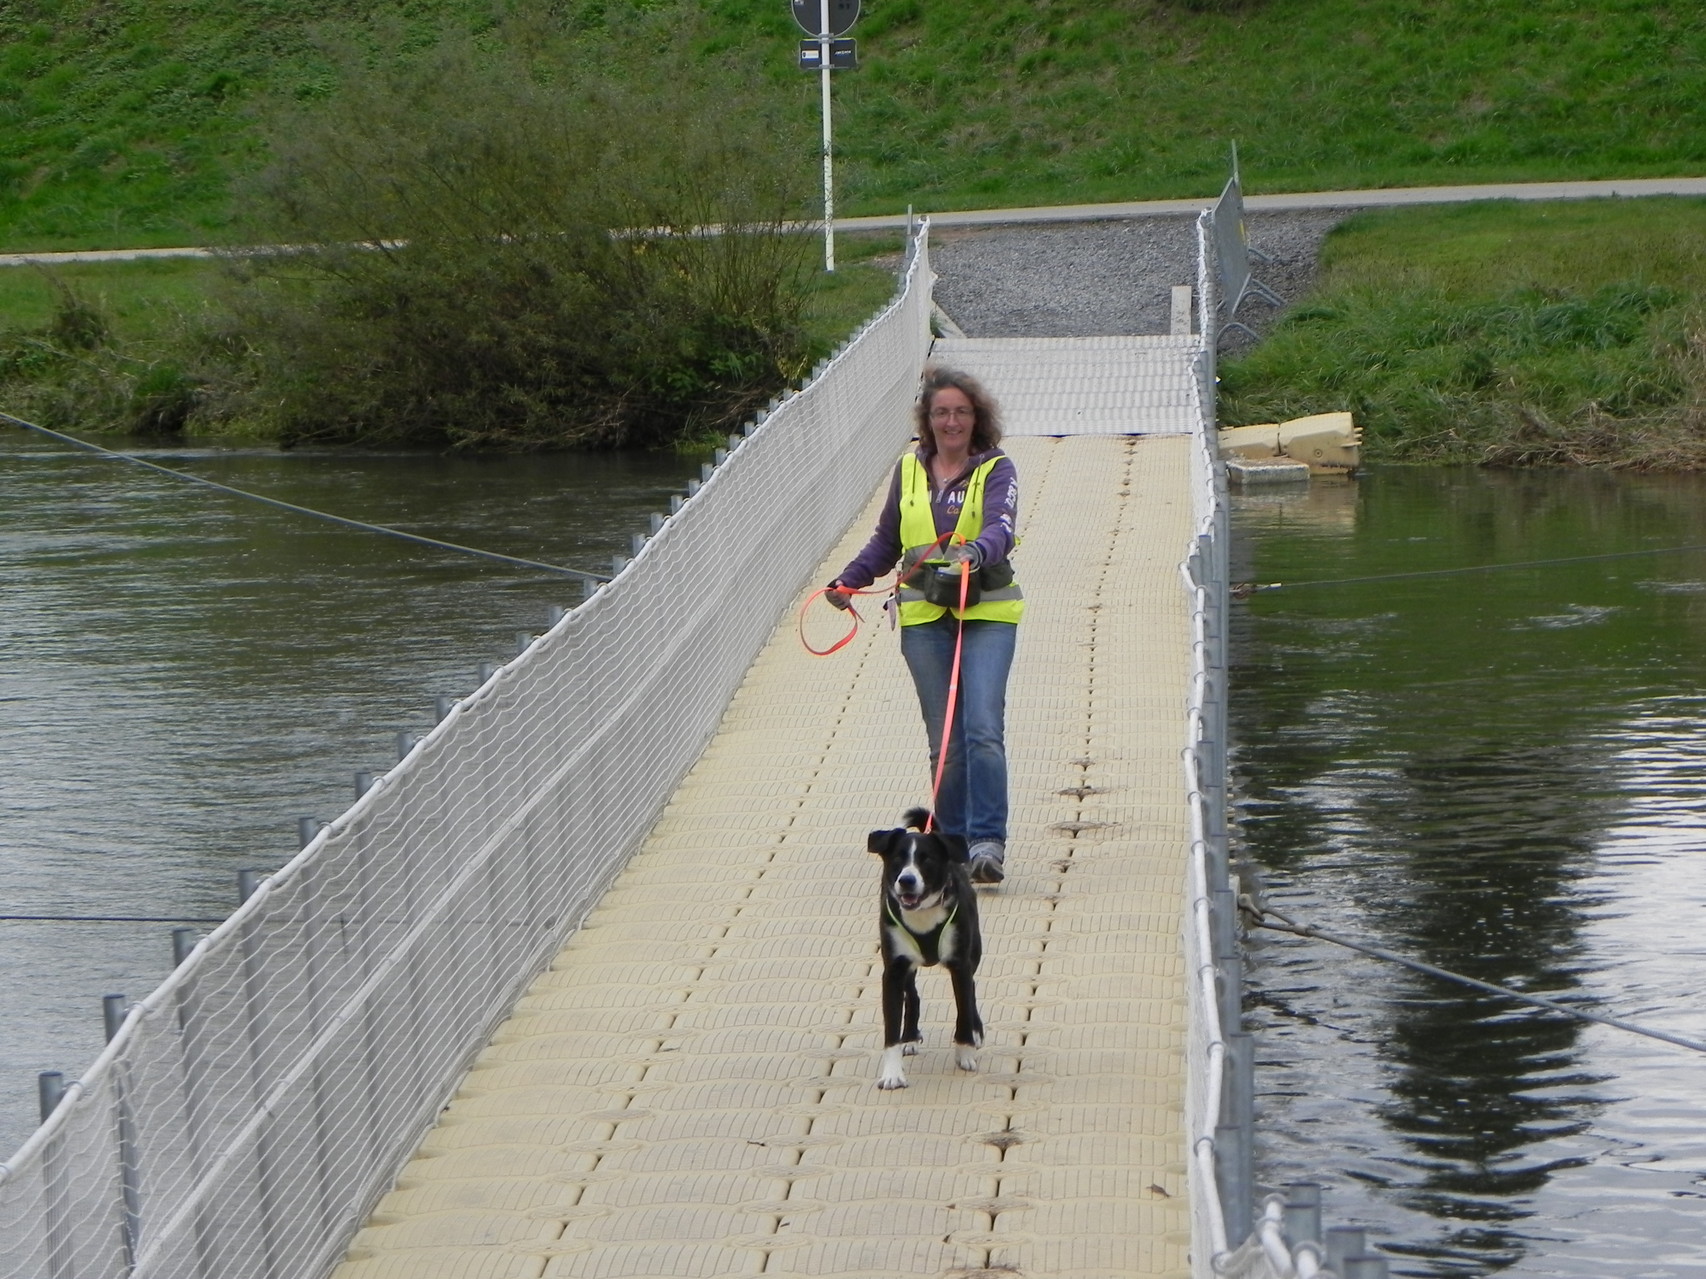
(1501, 773)
(183, 674)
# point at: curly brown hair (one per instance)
(986, 430)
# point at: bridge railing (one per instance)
(250, 1112)
(1232, 1235)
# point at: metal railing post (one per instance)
(112, 1014)
(1302, 1213)
(255, 1028)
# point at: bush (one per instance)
(508, 248)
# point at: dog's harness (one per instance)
(931, 952)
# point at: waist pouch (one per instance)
(940, 584)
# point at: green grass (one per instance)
(126, 121)
(857, 290)
(1501, 332)
(140, 300)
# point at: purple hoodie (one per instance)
(994, 543)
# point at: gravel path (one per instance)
(1092, 279)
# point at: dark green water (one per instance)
(1504, 774)
(183, 674)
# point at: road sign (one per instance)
(809, 14)
(843, 55)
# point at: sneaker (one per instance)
(986, 857)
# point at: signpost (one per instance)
(823, 20)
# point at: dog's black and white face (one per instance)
(916, 866)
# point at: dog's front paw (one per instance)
(909, 1048)
(892, 1076)
(965, 1056)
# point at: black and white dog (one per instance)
(929, 916)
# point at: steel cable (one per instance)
(583, 574)
(1306, 930)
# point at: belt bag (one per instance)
(995, 577)
(940, 583)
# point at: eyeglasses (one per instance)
(965, 411)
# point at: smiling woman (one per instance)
(951, 522)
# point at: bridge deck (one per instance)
(688, 1091)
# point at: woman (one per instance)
(954, 499)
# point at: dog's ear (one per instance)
(955, 847)
(916, 818)
(880, 841)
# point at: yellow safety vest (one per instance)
(918, 538)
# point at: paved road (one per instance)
(1619, 188)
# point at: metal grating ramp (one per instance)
(688, 1091)
(1083, 386)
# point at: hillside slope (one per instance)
(126, 120)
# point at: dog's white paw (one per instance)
(910, 1048)
(892, 1076)
(965, 1056)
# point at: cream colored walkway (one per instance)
(689, 1090)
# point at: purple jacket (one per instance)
(994, 543)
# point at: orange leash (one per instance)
(954, 672)
(853, 628)
(953, 698)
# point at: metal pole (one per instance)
(183, 942)
(1231, 1148)
(112, 1014)
(828, 173)
(1302, 1213)
(1344, 1242)
(50, 1091)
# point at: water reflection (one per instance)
(183, 673)
(1445, 765)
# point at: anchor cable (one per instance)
(1307, 930)
(104, 919)
(306, 510)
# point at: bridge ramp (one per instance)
(688, 1090)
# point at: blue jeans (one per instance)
(973, 798)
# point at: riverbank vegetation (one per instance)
(151, 347)
(1502, 333)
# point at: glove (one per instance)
(838, 598)
(966, 553)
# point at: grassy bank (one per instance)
(1540, 334)
(128, 120)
